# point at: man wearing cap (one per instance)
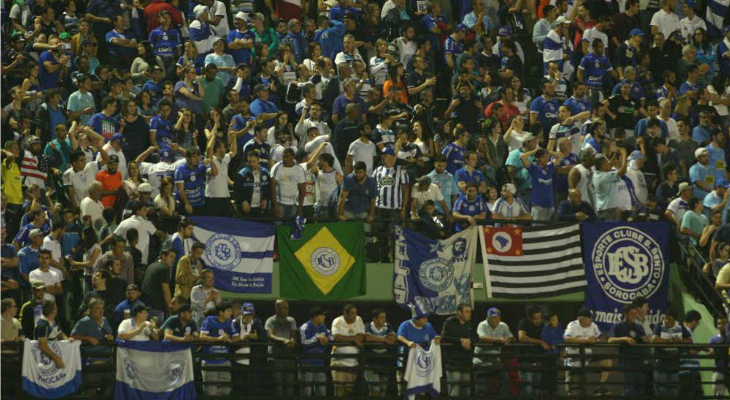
(509, 207)
(201, 33)
(165, 40)
(153, 11)
(240, 40)
(665, 20)
(584, 331)
(250, 330)
(299, 43)
(123, 310)
(136, 327)
(28, 258)
(552, 44)
(313, 337)
(180, 327)
(627, 52)
(605, 181)
(414, 332)
(111, 181)
(453, 46)
(262, 106)
(497, 333)
(680, 205)
(281, 330)
(114, 148)
(14, 59)
(702, 175)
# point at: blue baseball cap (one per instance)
(494, 312)
(389, 151)
(165, 153)
(636, 32)
(120, 137)
(248, 309)
(505, 31)
(636, 155)
(723, 183)
(461, 28)
(726, 29)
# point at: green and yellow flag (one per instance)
(327, 263)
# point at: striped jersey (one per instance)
(390, 183)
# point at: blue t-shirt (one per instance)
(47, 79)
(577, 106)
(472, 208)
(260, 107)
(164, 43)
(103, 125)
(28, 261)
(359, 195)
(310, 344)
(547, 112)
(560, 182)
(542, 184)
(522, 179)
(454, 157)
(7, 250)
(118, 51)
(703, 173)
(688, 87)
(239, 122)
(164, 134)
(421, 336)
(241, 55)
(194, 182)
(330, 39)
(716, 161)
(453, 47)
(476, 176)
(594, 69)
(447, 184)
(214, 328)
(701, 134)
(155, 88)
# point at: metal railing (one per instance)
(514, 371)
(691, 262)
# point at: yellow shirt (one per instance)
(10, 328)
(11, 182)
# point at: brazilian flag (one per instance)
(327, 263)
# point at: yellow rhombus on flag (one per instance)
(324, 260)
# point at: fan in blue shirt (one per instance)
(330, 38)
(165, 41)
(190, 180)
(455, 151)
(219, 328)
(241, 50)
(469, 208)
(415, 331)
(544, 109)
(161, 129)
(594, 66)
(541, 172)
(314, 336)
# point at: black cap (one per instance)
(315, 311)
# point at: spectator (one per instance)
(204, 297)
(629, 333)
(11, 329)
(287, 186)
(529, 331)
(605, 181)
(314, 336)
(144, 227)
(455, 151)
(250, 329)
(518, 174)
(156, 284)
(251, 190)
(181, 327)
(717, 199)
(378, 331)
(666, 379)
(117, 251)
(93, 330)
(51, 279)
(137, 327)
(218, 328)
(508, 207)
(190, 179)
(693, 221)
(575, 209)
(123, 310)
(702, 175)
(358, 196)
(459, 330)
(446, 183)
(188, 271)
(281, 330)
(584, 331)
(111, 181)
(32, 310)
(47, 329)
(346, 328)
(543, 205)
(469, 174)
(495, 332)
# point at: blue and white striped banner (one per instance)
(154, 370)
(716, 12)
(240, 253)
(41, 376)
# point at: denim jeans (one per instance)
(531, 382)
(313, 383)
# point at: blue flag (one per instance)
(624, 261)
(154, 370)
(433, 275)
(41, 376)
(239, 252)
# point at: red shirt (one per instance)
(289, 9)
(109, 182)
(152, 13)
(508, 111)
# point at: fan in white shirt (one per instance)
(584, 331)
(50, 279)
(91, 205)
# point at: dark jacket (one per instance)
(257, 327)
(567, 211)
(243, 188)
(452, 332)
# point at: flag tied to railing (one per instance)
(42, 378)
(154, 370)
(624, 261)
(240, 252)
(434, 275)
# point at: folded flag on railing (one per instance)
(423, 371)
(154, 370)
(327, 263)
(240, 252)
(297, 227)
(434, 275)
(532, 261)
(41, 376)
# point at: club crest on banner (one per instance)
(46, 366)
(131, 368)
(424, 363)
(325, 261)
(223, 251)
(436, 274)
(627, 264)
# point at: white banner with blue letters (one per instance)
(154, 370)
(42, 378)
(239, 252)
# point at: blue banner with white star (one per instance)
(434, 275)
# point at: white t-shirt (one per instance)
(243, 330)
(217, 186)
(515, 139)
(671, 127)
(326, 185)
(256, 193)
(576, 331)
(81, 180)
(144, 228)
(277, 152)
(92, 208)
(666, 22)
(128, 325)
(311, 146)
(219, 9)
(420, 197)
(49, 278)
(678, 207)
(122, 167)
(288, 179)
(365, 152)
(341, 327)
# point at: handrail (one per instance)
(693, 261)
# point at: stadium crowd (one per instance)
(121, 117)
